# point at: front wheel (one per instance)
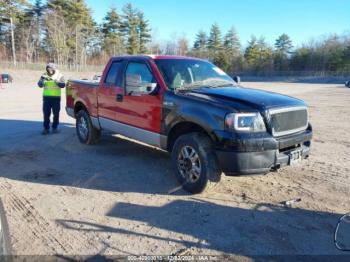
(195, 162)
(86, 132)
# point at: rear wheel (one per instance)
(86, 132)
(195, 162)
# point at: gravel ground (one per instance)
(62, 197)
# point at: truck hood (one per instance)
(258, 99)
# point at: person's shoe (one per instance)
(55, 131)
(45, 132)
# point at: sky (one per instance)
(300, 19)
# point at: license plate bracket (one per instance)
(295, 156)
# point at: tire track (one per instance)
(37, 225)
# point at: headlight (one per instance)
(245, 122)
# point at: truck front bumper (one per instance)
(262, 153)
(246, 163)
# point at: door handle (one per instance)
(119, 98)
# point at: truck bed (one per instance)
(83, 91)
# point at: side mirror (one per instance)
(133, 81)
(134, 84)
(342, 233)
(237, 79)
(150, 87)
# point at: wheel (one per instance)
(86, 132)
(195, 162)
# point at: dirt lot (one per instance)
(62, 197)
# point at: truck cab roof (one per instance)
(158, 57)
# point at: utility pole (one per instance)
(13, 42)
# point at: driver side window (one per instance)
(138, 78)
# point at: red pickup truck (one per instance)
(194, 110)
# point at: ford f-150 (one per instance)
(194, 110)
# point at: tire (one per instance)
(200, 171)
(86, 132)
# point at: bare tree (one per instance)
(182, 46)
(57, 35)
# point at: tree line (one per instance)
(330, 54)
(64, 31)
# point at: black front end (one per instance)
(263, 154)
(286, 142)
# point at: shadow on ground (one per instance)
(264, 230)
(120, 165)
(114, 164)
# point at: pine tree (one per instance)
(111, 30)
(130, 29)
(258, 55)
(13, 8)
(200, 42)
(37, 40)
(215, 41)
(200, 45)
(112, 23)
(284, 44)
(252, 51)
(231, 42)
(70, 28)
(265, 62)
(144, 32)
(221, 60)
(232, 50)
(38, 8)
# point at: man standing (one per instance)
(52, 82)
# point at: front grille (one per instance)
(285, 121)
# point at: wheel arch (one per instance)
(80, 106)
(183, 128)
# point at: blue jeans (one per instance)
(51, 104)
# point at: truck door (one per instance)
(110, 90)
(138, 115)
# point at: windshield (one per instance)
(190, 74)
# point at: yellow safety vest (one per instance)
(51, 89)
